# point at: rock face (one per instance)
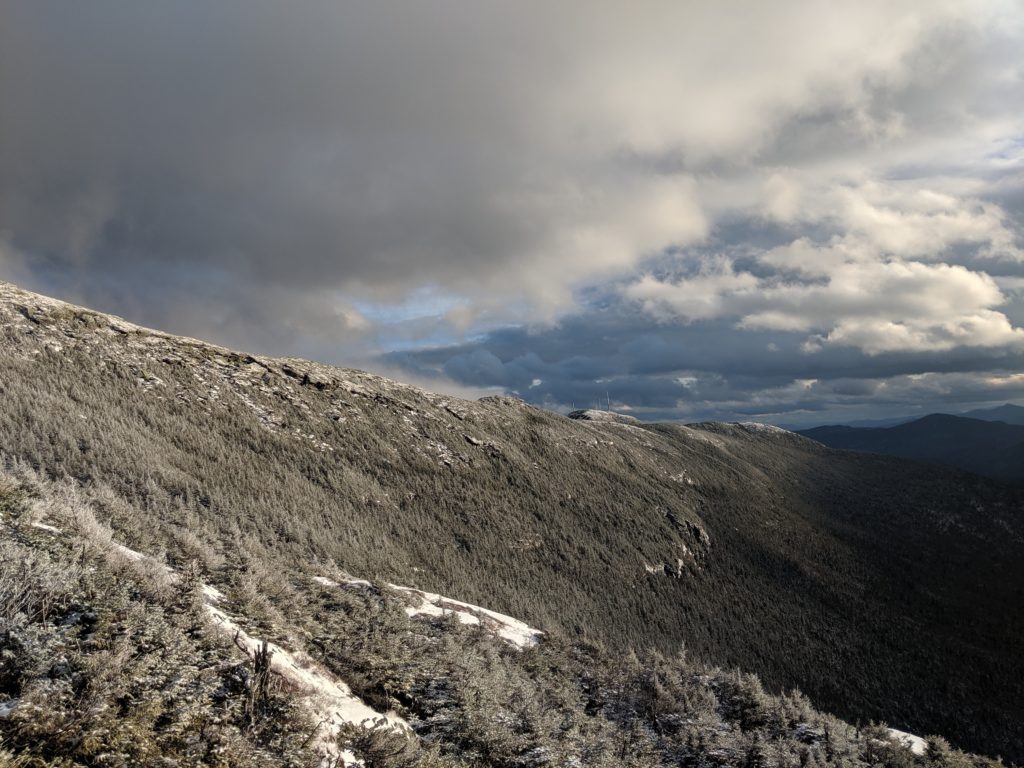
(204, 451)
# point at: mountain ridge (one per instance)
(755, 547)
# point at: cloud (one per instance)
(875, 306)
(895, 219)
(843, 178)
(712, 292)
(872, 277)
(375, 151)
(705, 370)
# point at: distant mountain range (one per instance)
(1011, 414)
(989, 442)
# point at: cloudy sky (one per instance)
(795, 212)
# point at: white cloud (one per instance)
(711, 293)
(910, 220)
(875, 275)
(782, 198)
(985, 328)
(877, 306)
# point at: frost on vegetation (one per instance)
(328, 700)
(756, 426)
(682, 477)
(280, 394)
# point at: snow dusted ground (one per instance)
(915, 744)
(509, 629)
(757, 426)
(329, 700)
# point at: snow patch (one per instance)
(45, 527)
(509, 629)
(915, 744)
(330, 700)
(431, 605)
(348, 582)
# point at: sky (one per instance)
(794, 212)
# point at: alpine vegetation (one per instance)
(109, 658)
(219, 558)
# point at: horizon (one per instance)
(903, 417)
(735, 213)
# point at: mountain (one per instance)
(992, 448)
(891, 422)
(1009, 413)
(282, 497)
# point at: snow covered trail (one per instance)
(328, 699)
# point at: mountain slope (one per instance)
(151, 670)
(992, 448)
(883, 589)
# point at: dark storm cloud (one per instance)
(344, 146)
(707, 370)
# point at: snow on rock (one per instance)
(513, 631)
(915, 744)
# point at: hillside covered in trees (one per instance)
(650, 555)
